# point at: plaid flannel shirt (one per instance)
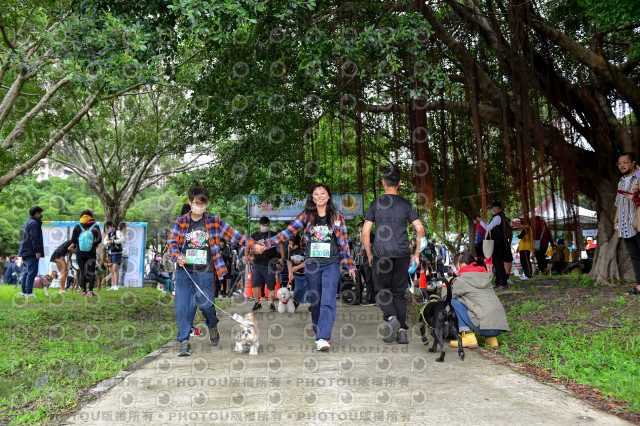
(301, 222)
(216, 229)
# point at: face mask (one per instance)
(158, 259)
(423, 243)
(198, 210)
(110, 230)
(264, 229)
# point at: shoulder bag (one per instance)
(487, 245)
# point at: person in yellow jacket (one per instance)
(525, 248)
(561, 257)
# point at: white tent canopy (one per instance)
(558, 213)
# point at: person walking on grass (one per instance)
(115, 239)
(390, 255)
(497, 229)
(265, 266)
(326, 244)
(194, 244)
(625, 212)
(525, 247)
(31, 249)
(86, 237)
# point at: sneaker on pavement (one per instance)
(369, 304)
(185, 348)
(272, 307)
(393, 325)
(214, 335)
(401, 337)
(322, 345)
(256, 307)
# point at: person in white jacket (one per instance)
(115, 240)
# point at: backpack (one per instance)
(85, 241)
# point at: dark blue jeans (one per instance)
(323, 282)
(188, 298)
(301, 291)
(32, 273)
(464, 322)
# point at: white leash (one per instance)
(238, 318)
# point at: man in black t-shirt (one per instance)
(390, 255)
(265, 266)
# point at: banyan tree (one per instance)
(474, 99)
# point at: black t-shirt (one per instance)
(322, 246)
(296, 256)
(391, 213)
(196, 248)
(266, 256)
(61, 251)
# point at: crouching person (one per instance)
(478, 308)
(194, 244)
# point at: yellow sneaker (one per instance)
(491, 341)
(468, 341)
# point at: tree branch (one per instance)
(4, 180)
(19, 128)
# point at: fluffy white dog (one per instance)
(248, 336)
(285, 296)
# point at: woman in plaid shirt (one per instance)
(194, 244)
(326, 245)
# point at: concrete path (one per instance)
(360, 380)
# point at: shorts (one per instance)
(261, 274)
(116, 258)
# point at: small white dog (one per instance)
(285, 296)
(248, 336)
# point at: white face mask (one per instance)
(198, 210)
(264, 229)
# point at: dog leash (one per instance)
(236, 317)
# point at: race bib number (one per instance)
(320, 249)
(196, 257)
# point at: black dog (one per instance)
(443, 322)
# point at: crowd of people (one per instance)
(206, 258)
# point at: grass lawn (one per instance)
(52, 349)
(567, 332)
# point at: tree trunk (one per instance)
(114, 213)
(611, 259)
(472, 237)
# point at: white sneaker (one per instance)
(23, 295)
(509, 281)
(523, 278)
(115, 288)
(31, 296)
(322, 345)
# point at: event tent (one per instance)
(559, 213)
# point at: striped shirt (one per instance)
(302, 222)
(217, 229)
(626, 208)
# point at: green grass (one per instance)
(52, 349)
(601, 357)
